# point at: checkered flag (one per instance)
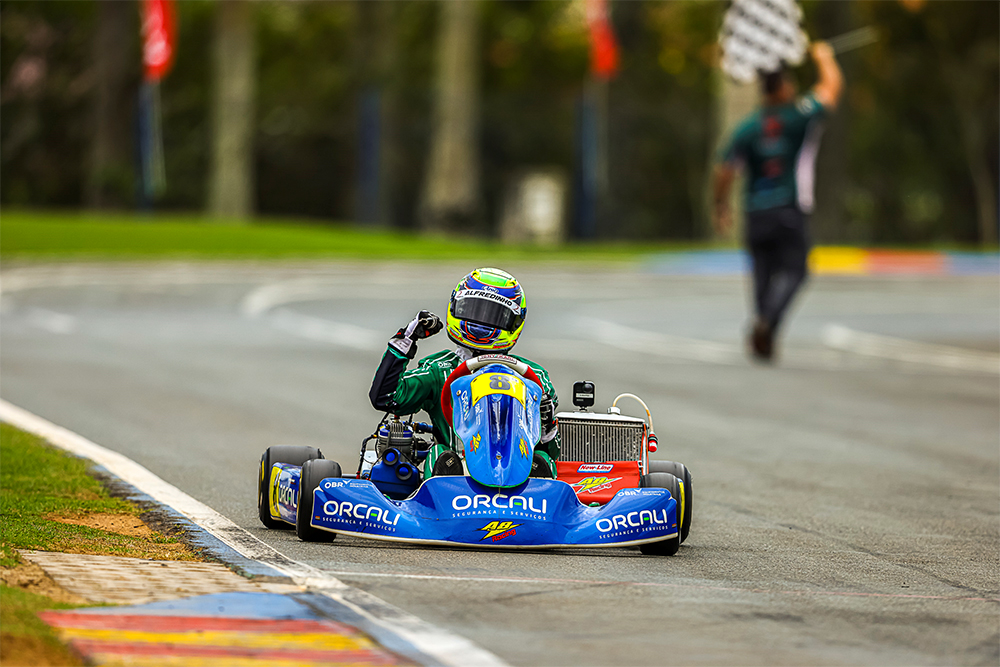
(759, 35)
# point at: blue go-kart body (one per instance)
(496, 505)
(538, 514)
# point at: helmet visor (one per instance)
(487, 308)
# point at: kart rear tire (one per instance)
(291, 454)
(313, 472)
(662, 480)
(681, 472)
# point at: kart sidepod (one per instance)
(455, 510)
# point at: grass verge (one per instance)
(26, 639)
(26, 235)
(46, 497)
(49, 502)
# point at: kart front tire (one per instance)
(313, 472)
(681, 472)
(291, 454)
(662, 480)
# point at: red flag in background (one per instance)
(158, 42)
(603, 47)
(158, 37)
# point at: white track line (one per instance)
(834, 336)
(262, 299)
(873, 345)
(135, 276)
(347, 574)
(440, 644)
(51, 321)
(327, 331)
(649, 342)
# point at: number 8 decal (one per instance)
(499, 383)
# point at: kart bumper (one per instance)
(457, 511)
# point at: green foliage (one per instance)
(185, 99)
(911, 157)
(45, 100)
(535, 58)
(660, 121)
(305, 107)
(36, 481)
(922, 111)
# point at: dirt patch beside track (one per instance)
(122, 524)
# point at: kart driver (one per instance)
(479, 323)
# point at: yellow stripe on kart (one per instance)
(680, 517)
(273, 493)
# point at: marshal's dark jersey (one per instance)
(778, 146)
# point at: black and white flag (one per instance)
(759, 35)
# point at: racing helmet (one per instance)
(486, 312)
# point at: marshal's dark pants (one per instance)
(779, 246)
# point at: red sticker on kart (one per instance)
(595, 467)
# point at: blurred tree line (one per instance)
(911, 157)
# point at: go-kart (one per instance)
(607, 492)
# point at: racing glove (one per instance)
(548, 415)
(425, 324)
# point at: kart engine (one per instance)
(394, 463)
(395, 433)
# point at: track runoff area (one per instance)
(846, 497)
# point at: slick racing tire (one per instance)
(663, 480)
(313, 472)
(680, 471)
(291, 454)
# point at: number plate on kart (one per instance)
(497, 383)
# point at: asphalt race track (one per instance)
(847, 500)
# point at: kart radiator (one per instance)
(594, 438)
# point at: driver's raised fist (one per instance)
(424, 325)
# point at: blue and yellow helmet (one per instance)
(486, 312)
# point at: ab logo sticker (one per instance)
(498, 530)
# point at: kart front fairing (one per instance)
(455, 510)
(495, 415)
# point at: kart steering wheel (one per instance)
(473, 365)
